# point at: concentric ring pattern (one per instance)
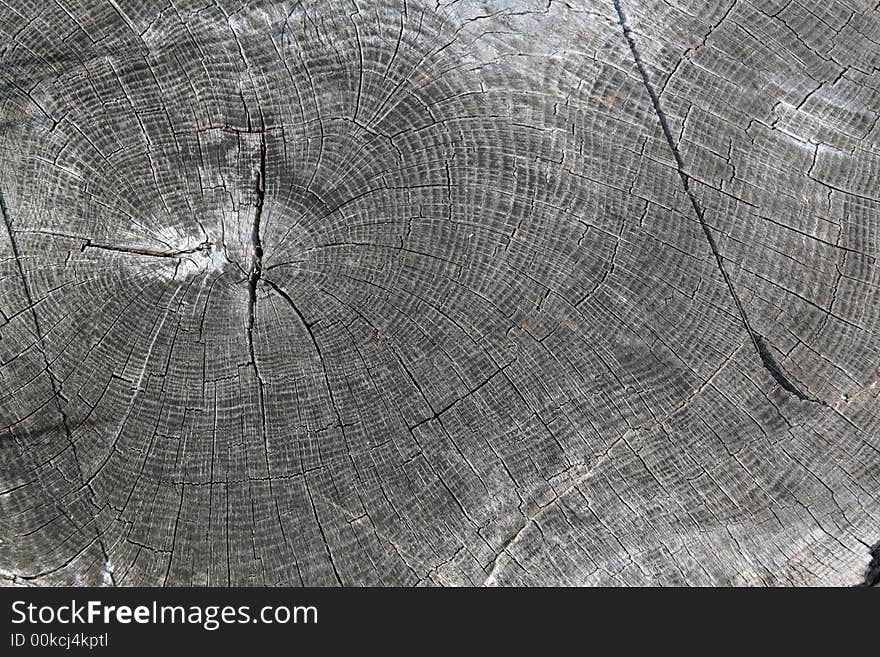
(462, 292)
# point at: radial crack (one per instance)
(257, 259)
(89, 244)
(54, 383)
(757, 340)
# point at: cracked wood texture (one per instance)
(459, 293)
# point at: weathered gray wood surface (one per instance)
(407, 292)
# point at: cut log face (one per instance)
(462, 293)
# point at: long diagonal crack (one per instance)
(56, 387)
(758, 340)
